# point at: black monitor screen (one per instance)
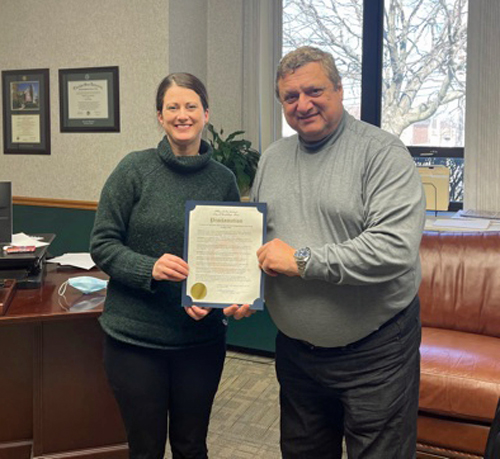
(5, 212)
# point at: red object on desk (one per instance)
(19, 249)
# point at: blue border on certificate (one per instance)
(258, 304)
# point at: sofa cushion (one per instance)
(451, 437)
(460, 374)
(460, 287)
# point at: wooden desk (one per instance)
(55, 402)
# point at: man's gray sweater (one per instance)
(357, 201)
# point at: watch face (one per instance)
(302, 253)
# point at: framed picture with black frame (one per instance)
(26, 111)
(89, 99)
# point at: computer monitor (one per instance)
(5, 213)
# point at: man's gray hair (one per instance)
(302, 56)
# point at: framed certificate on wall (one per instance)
(26, 111)
(89, 99)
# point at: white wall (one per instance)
(146, 39)
(54, 34)
(225, 63)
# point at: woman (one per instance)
(163, 361)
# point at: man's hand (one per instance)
(197, 312)
(276, 257)
(170, 267)
(238, 312)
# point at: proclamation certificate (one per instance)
(220, 247)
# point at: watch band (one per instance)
(302, 256)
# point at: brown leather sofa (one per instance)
(460, 372)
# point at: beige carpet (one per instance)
(245, 415)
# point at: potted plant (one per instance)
(237, 155)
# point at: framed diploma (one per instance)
(89, 100)
(220, 247)
(26, 111)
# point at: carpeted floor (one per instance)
(245, 415)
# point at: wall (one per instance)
(147, 39)
(132, 35)
(72, 227)
(225, 63)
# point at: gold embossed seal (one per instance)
(199, 291)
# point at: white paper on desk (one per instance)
(22, 239)
(468, 223)
(78, 260)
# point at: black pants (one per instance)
(366, 391)
(150, 383)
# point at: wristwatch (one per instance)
(302, 256)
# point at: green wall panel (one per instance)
(255, 332)
(72, 228)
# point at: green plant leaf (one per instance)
(233, 135)
(236, 154)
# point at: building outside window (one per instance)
(423, 68)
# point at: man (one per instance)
(345, 218)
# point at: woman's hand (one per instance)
(170, 267)
(238, 312)
(196, 312)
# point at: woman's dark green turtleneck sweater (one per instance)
(141, 217)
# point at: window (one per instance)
(316, 23)
(403, 65)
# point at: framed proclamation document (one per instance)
(26, 111)
(89, 100)
(220, 247)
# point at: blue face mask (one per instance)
(86, 303)
(86, 284)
